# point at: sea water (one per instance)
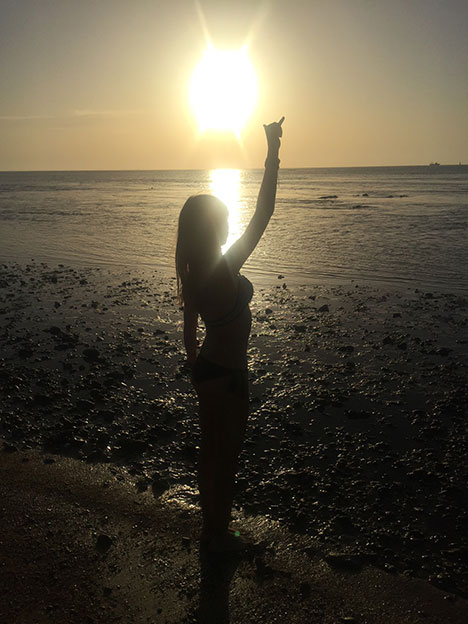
(396, 226)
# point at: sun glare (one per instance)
(223, 90)
(226, 185)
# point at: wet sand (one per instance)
(357, 437)
(85, 546)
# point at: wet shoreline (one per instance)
(357, 434)
(86, 546)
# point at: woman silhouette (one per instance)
(209, 284)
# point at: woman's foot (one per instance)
(230, 541)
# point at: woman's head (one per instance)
(202, 230)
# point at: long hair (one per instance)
(197, 234)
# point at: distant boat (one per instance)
(434, 164)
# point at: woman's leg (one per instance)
(223, 419)
(206, 465)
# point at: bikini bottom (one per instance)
(203, 370)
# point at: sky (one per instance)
(103, 84)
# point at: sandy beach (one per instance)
(357, 437)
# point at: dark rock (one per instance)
(293, 427)
(305, 590)
(25, 352)
(103, 543)
(62, 440)
(344, 561)
(9, 448)
(84, 404)
(106, 415)
(443, 581)
(444, 351)
(132, 447)
(357, 414)
(189, 452)
(324, 308)
(91, 354)
(42, 399)
(97, 395)
(263, 570)
(344, 523)
(142, 485)
(422, 474)
(300, 328)
(94, 456)
(159, 485)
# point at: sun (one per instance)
(223, 90)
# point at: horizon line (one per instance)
(459, 164)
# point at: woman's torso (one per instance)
(223, 305)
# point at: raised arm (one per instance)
(238, 253)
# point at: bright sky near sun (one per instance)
(109, 84)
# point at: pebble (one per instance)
(91, 354)
(344, 561)
(104, 542)
(305, 590)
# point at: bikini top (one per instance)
(244, 296)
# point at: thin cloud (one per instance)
(79, 113)
(86, 112)
(24, 117)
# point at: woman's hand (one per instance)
(273, 133)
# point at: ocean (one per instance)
(403, 227)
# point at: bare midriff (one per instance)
(227, 345)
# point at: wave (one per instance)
(323, 204)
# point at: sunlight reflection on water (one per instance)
(226, 185)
